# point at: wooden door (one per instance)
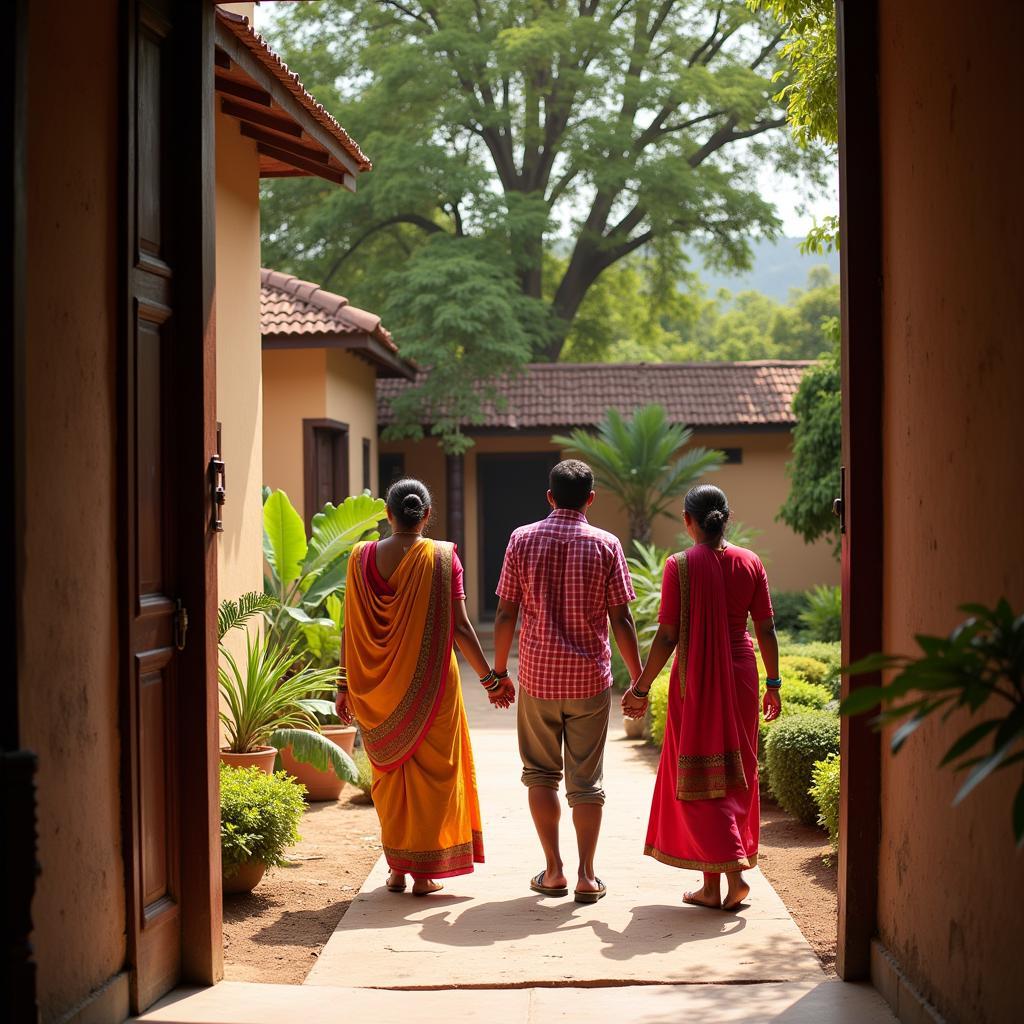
(325, 457)
(512, 491)
(167, 425)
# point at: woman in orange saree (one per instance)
(399, 679)
(705, 812)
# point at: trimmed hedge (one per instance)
(658, 706)
(794, 745)
(808, 669)
(827, 654)
(788, 606)
(825, 793)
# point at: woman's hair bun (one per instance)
(709, 507)
(408, 500)
(412, 506)
(714, 518)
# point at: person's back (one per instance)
(568, 579)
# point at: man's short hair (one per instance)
(571, 482)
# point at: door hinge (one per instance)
(180, 625)
(218, 492)
(839, 505)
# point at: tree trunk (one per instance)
(640, 527)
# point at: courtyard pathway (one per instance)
(489, 949)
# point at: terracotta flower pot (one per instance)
(321, 785)
(246, 877)
(262, 757)
(634, 727)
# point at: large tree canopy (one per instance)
(539, 142)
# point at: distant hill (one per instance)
(777, 267)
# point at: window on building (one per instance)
(390, 467)
(733, 456)
(366, 464)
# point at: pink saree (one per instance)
(705, 810)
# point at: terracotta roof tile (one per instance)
(564, 395)
(289, 306)
(260, 48)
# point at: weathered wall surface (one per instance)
(756, 488)
(949, 880)
(69, 684)
(294, 389)
(351, 398)
(239, 364)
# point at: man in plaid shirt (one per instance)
(569, 579)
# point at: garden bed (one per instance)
(275, 933)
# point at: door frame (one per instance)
(861, 276)
(552, 457)
(341, 466)
(192, 380)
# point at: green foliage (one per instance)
(620, 674)
(825, 793)
(810, 670)
(829, 654)
(788, 606)
(364, 782)
(639, 461)
(266, 693)
(814, 471)
(232, 614)
(646, 569)
(307, 576)
(823, 619)
(794, 745)
(259, 816)
(657, 705)
(790, 708)
(507, 132)
(979, 665)
(811, 89)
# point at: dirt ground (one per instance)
(275, 933)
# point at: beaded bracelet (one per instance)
(637, 693)
(773, 684)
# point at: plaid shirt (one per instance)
(565, 574)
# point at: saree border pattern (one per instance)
(451, 860)
(709, 776)
(683, 646)
(701, 865)
(398, 736)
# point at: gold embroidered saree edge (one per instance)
(700, 865)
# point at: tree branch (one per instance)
(403, 218)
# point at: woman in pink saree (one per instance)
(705, 812)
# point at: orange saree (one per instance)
(405, 694)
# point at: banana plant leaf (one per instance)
(284, 538)
(338, 527)
(317, 750)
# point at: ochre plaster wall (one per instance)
(351, 398)
(756, 489)
(294, 389)
(949, 880)
(239, 366)
(68, 688)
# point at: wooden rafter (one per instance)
(257, 115)
(300, 149)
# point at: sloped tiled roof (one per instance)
(562, 395)
(300, 314)
(239, 26)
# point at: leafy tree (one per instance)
(630, 125)
(811, 89)
(814, 471)
(639, 461)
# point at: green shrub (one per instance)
(794, 745)
(829, 654)
(825, 793)
(823, 619)
(658, 705)
(810, 670)
(365, 781)
(259, 816)
(789, 709)
(788, 606)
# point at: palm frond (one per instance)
(232, 614)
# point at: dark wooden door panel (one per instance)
(512, 492)
(325, 464)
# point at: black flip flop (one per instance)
(537, 885)
(591, 897)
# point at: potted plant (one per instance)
(259, 817)
(270, 700)
(322, 784)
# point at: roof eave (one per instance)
(371, 350)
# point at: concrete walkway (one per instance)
(638, 955)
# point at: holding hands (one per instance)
(501, 691)
(634, 704)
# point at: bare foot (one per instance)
(554, 880)
(396, 881)
(736, 895)
(702, 897)
(584, 884)
(425, 886)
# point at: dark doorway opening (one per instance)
(511, 491)
(325, 470)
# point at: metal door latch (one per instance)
(218, 485)
(180, 624)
